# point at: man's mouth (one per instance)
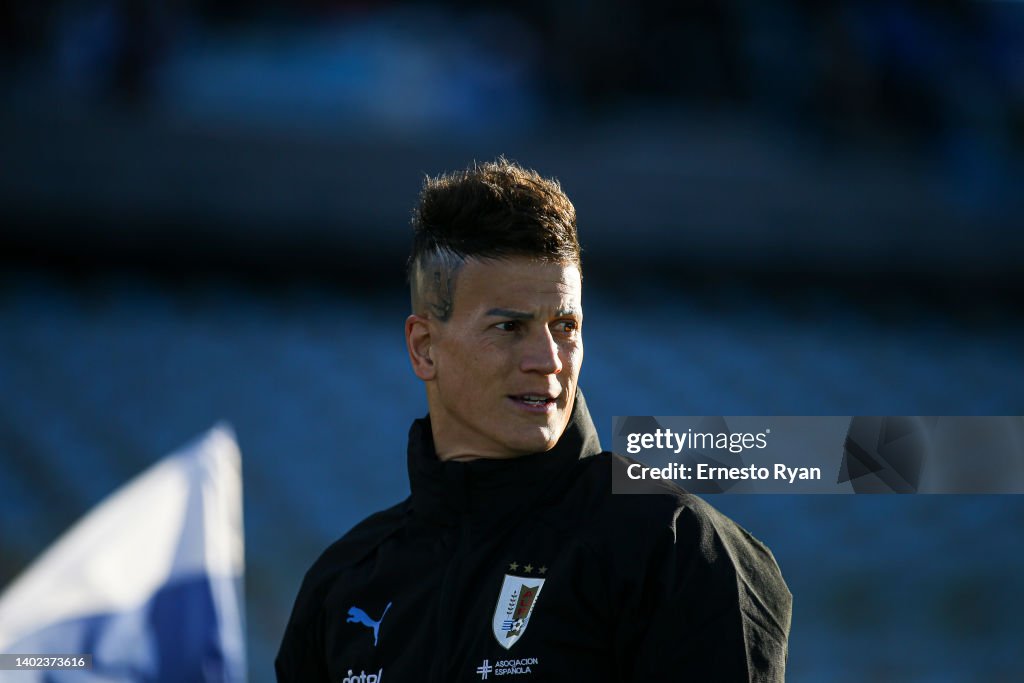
(534, 401)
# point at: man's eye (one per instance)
(508, 326)
(568, 326)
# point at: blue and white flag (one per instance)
(149, 582)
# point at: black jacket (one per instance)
(592, 586)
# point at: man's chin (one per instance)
(539, 440)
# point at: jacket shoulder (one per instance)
(701, 597)
(358, 543)
(300, 657)
(666, 513)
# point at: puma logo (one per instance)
(358, 616)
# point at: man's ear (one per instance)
(418, 341)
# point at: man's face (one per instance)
(507, 359)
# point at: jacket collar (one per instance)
(445, 491)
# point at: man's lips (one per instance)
(540, 403)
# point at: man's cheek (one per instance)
(574, 361)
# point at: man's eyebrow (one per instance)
(521, 315)
(509, 313)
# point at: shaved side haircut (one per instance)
(495, 210)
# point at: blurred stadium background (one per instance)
(786, 208)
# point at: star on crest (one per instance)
(528, 568)
(543, 570)
(513, 566)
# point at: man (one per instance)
(512, 559)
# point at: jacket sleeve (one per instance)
(708, 603)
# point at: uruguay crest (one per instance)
(516, 601)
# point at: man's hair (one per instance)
(494, 210)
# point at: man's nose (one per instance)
(542, 354)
